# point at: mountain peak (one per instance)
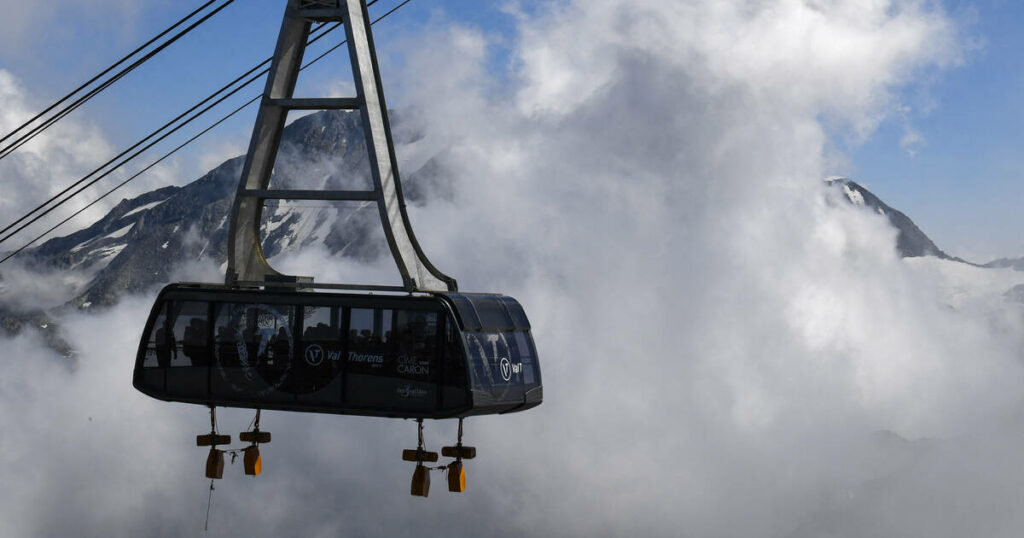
(910, 241)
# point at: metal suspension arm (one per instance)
(246, 261)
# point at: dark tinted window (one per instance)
(517, 313)
(253, 348)
(158, 349)
(190, 333)
(470, 320)
(319, 356)
(368, 335)
(496, 367)
(392, 359)
(492, 314)
(415, 344)
(179, 336)
(454, 378)
(524, 345)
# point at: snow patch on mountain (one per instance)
(142, 208)
(853, 195)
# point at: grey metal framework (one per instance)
(246, 262)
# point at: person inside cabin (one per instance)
(194, 344)
(227, 347)
(165, 349)
(281, 347)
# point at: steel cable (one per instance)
(107, 70)
(43, 212)
(24, 139)
(178, 148)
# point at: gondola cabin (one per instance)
(435, 355)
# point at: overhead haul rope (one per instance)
(24, 139)
(41, 210)
(107, 70)
(175, 150)
(329, 28)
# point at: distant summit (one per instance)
(910, 241)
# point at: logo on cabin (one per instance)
(507, 368)
(314, 355)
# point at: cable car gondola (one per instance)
(439, 355)
(264, 340)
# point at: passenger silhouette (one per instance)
(227, 348)
(164, 347)
(281, 346)
(194, 344)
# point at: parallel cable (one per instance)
(43, 212)
(187, 142)
(314, 39)
(24, 139)
(126, 160)
(126, 181)
(109, 69)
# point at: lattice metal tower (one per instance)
(246, 262)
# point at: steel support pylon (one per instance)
(246, 262)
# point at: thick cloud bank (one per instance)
(727, 350)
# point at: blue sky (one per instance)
(961, 183)
(964, 185)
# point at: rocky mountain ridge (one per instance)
(142, 241)
(139, 244)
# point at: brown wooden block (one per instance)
(417, 455)
(212, 439)
(465, 452)
(420, 481)
(456, 477)
(254, 437)
(215, 464)
(252, 462)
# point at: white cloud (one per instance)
(56, 158)
(911, 141)
(215, 155)
(727, 349)
(27, 289)
(49, 163)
